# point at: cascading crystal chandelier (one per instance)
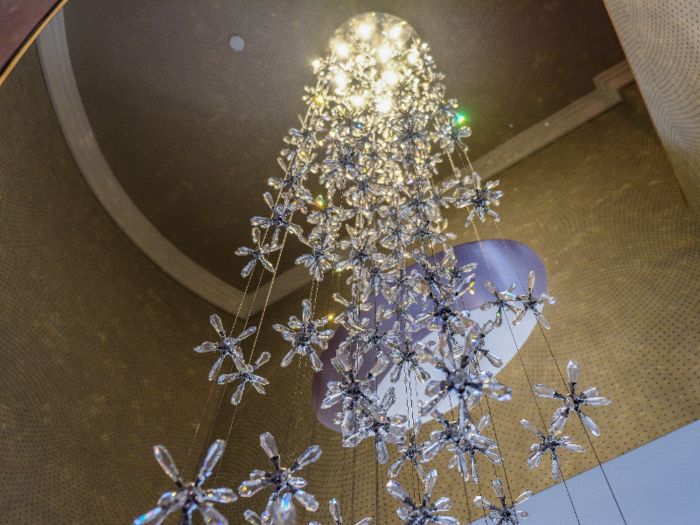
(377, 127)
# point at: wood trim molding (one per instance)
(62, 87)
(19, 53)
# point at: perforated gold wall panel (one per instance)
(661, 39)
(97, 365)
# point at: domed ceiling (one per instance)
(192, 128)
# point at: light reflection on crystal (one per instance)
(573, 402)
(284, 485)
(504, 514)
(189, 496)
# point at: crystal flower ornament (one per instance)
(334, 507)
(245, 375)
(281, 480)
(355, 393)
(281, 216)
(530, 303)
(189, 496)
(451, 433)
(479, 199)
(550, 442)
(229, 346)
(304, 335)
(505, 514)
(259, 253)
(469, 446)
(352, 309)
(374, 420)
(451, 135)
(321, 259)
(293, 181)
(573, 401)
(414, 514)
(412, 452)
(467, 386)
(409, 355)
(372, 336)
(501, 301)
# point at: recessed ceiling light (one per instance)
(237, 43)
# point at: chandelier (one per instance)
(377, 127)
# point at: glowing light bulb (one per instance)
(357, 100)
(384, 105)
(390, 77)
(395, 32)
(364, 30)
(341, 79)
(412, 57)
(319, 99)
(342, 49)
(384, 53)
(316, 63)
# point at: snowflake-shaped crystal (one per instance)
(374, 420)
(305, 333)
(451, 433)
(229, 346)
(480, 199)
(412, 452)
(355, 393)
(451, 135)
(259, 253)
(573, 401)
(281, 216)
(371, 336)
(501, 300)
(460, 380)
(281, 480)
(409, 355)
(361, 243)
(530, 303)
(321, 259)
(334, 507)
(352, 309)
(505, 514)
(550, 442)
(470, 445)
(424, 513)
(246, 375)
(189, 496)
(295, 175)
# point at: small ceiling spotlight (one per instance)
(236, 43)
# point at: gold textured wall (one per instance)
(662, 44)
(96, 364)
(98, 360)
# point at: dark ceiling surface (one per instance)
(192, 129)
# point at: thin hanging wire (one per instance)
(566, 385)
(522, 364)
